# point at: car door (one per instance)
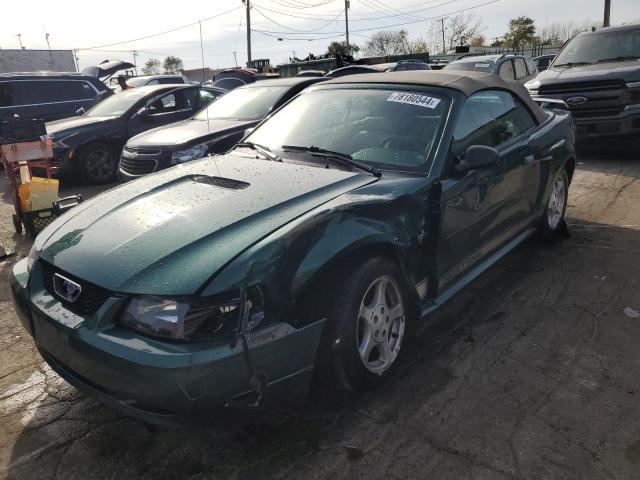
(482, 209)
(46, 99)
(163, 109)
(9, 101)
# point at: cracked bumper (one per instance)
(161, 382)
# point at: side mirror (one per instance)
(478, 156)
(144, 112)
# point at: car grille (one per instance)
(138, 166)
(597, 111)
(143, 151)
(220, 182)
(91, 298)
(581, 87)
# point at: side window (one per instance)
(155, 81)
(521, 68)
(42, 91)
(79, 91)
(506, 71)
(7, 94)
(490, 118)
(531, 68)
(164, 104)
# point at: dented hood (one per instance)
(168, 233)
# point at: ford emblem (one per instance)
(577, 100)
(65, 288)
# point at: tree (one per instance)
(152, 67)
(172, 64)
(521, 32)
(559, 32)
(340, 48)
(458, 30)
(477, 41)
(396, 42)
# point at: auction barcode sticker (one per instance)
(414, 99)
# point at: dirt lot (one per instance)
(531, 372)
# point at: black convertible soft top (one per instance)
(466, 82)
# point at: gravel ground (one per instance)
(531, 372)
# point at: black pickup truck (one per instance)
(598, 75)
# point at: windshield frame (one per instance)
(255, 85)
(428, 167)
(596, 34)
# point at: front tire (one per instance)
(553, 217)
(367, 322)
(98, 164)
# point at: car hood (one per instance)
(62, 127)
(187, 131)
(168, 233)
(627, 71)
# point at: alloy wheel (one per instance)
(557, 199)
(381, 325)
(100, 164)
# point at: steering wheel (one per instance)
(391, 142)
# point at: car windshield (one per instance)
(479, 66)
(251, 103)
(388, 129)
(599, 47)
(117, 104)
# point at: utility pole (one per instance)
(248, 3)
(235, 59)
(444, 48)
(346, 24)
(19, 35)
(607, 13)
(135, 63)
(46, 36)
(201, 51)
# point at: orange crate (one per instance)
(26, 151)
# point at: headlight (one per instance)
(189, 154)
(32, 257)
(532, 85)
(191, 319)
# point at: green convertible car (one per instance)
(350, 213)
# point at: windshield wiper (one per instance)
(337, 157)
(263, 150)
(572, 64)
(621, 58)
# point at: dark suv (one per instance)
(598, 75)
(48, 95)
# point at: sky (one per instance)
(113, 30)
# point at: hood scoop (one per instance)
(221, 182)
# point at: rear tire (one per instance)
(366, 325)
(97, 164)
(553, 218)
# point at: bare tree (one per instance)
(458, 30)
(559, 32)
(396, 42)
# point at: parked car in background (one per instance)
(234, 77)
(311, 73)
(89, 145)
(213, 130)
(598, 75)
(351, 70)
(48, 95)
(144, 80)
(508, 66)
(542, 62)
(402, 65)
(352, 212)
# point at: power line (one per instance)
(262, 14)
(161, 33)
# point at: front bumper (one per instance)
(135, 163)
(162, 382)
